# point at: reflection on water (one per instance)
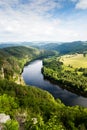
(32, 76)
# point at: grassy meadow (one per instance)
(76, 60)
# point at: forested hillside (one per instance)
(69, 71)
(60, 47)
(33, 109)
(66, 48)
(12, 60)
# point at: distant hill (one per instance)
(12, 44)
(65, 48)
(62, 48)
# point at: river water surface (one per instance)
(32, 76)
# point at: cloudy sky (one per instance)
(43, 20)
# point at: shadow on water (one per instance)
(32, 76)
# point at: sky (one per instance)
(43, 20)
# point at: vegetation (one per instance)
(66, 48)
(11, 125)
(13, 59)
(64, 71)
(75, 60)
(33, 108)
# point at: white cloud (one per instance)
(36, 6)
(74, 0)
(44, 5)
(31, 22)
(20, 27)
(81, 4)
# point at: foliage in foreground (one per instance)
(36, 109)
(11, 125)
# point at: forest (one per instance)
(13, 59)
(66, 47)
(69, 77)
(31, 108)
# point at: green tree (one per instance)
(11, 125)
(8, 104)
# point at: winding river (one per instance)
(32, 76)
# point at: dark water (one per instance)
(32, 76)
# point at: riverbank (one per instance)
(32, 76)
(65, 76)
(64, 86)
(13, 60)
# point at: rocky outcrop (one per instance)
(4, 118)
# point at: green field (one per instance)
(76, 60)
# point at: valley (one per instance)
(43, 64)
(33, 108)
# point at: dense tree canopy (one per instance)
(74, 79)
(37, 109)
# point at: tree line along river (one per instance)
(32, 76)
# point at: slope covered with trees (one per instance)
(66, 48)
(73, 79)
(13, 59)
(31, 108)
(60, 47)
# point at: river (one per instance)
(32, 76)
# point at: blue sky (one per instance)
(43, 20)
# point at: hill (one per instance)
(13, 59)
(66, 48)
(60, 47)
(32, 108)
(69, 71)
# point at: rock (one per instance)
(4, 118)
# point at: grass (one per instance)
(76, 60)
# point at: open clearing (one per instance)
(76, 60)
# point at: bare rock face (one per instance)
(4, 118)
